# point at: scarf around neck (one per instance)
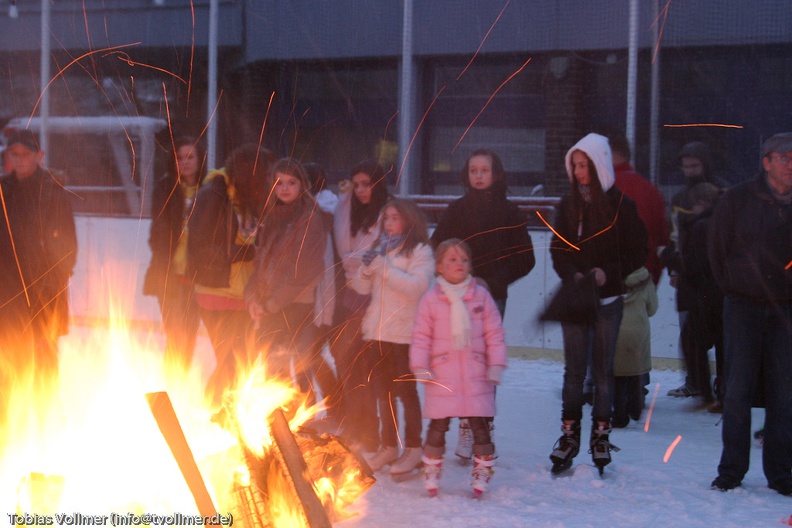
(460, 318)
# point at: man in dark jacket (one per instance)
(750, 251)
(695, 160)
(38, 250)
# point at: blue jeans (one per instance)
(757, 342)
(597, 341)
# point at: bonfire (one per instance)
(119, 439)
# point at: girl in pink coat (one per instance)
(458, 348)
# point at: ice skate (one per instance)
(464, 448)
(600, 446)
(566, 448)
(482, 473)
(383, 457)
(432, 470)
(408, 465)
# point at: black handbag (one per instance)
(574, 302)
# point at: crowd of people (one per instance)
(277, 267)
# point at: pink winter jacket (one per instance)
(459, 386)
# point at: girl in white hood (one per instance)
(599, 239)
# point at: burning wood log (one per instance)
(331, 461)
(278, 486)
(168, 422)
(288, 453)
(299, 465)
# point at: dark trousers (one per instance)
(479, 426)
(393, 380)
(354, 367)
(180, 321)
(227, 331)
(702, 330)
(290, 340)
(758, 345)
(628, 398)
(320, 372)
(597, 341)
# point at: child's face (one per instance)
(287, 188)
(392, 222)
(480, 172)
(454, 266)
(361, 185)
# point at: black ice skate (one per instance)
(566, 448)
(600, 446)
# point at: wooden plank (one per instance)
(168, 422)
(296, 470)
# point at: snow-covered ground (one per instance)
(639, 489)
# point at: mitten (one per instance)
(494, 374)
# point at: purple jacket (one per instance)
(459, 386)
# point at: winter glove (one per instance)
(494, 374)
(369, 256)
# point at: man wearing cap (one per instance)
(750, 251)
(38, 250)
(695, 160)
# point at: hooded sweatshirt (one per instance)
(586, 238)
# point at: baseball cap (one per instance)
(781, 143)
(26, 138)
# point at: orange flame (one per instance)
(87, 441)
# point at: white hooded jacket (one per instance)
(598, 149)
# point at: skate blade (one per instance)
(563, 469)
(407, 475)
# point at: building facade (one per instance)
(325, 81)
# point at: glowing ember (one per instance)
(671, 448)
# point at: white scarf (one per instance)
(460, 318)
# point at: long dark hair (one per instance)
(364, 216)
(415, 230)
(247, 168)
(498, 187)
(200, 150)
(601, 210)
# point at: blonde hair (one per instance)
(450, 243)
